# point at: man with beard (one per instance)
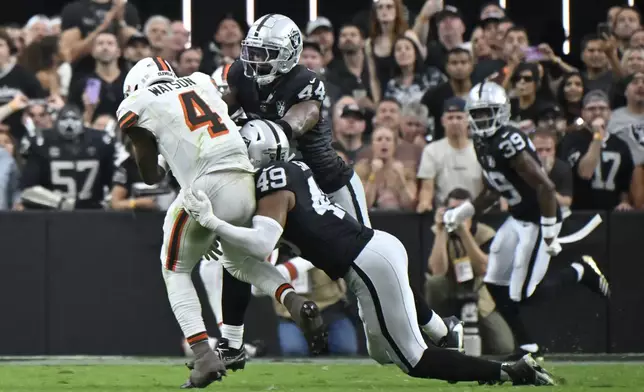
(107, 75)
(351, 72)
(559, 171)
(320, 30)
(627, 21)
(75, 161)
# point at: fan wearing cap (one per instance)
(602, 163)
(450, 29)
(136, 49)
(320, 30)
(348, 128)
(449, 162)
(76, 161)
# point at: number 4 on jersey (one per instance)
(197, 114)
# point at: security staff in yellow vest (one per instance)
(330, 297)
(458, 262)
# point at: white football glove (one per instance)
(199, 207)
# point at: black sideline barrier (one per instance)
(90, 283)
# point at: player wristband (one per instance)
(286, 127)
(548, 220)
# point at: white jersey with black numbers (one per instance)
(190, 122)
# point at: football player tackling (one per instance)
(373, 263)
(185, 120)
(521, 250)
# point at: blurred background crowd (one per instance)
(396, 81)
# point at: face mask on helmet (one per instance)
(259, 63)
(69, 123)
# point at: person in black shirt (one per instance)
(71, 159)
(15, 80)
(373, 263)
(107, 74)
(602, 163)
(84, 20)
(459, 70)
(525, 82)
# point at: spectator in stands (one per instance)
(550, 116)
(627, 22)
(525, 84)
(9, 173)
(569, 95)
(413, 124)
(480, 47)
(449, 162)
(450, 29)
(137, 48)
(42, 58)
(106, 53)
(627, 122)
(388, 186)
(597, 74)
(458, 263)
(492, 35)
(545, 142)
(602, 163)
(514, 44)
(188, 61)
(17, 37)
(15, 80)
(632, 62)
(353, 72)
(84, 20)
(158, 30)
(180, 36)
(329, 295)
(387, 23)
(225, 46)
(410, 77)
(320, 30)
(39, 114)
(388, 114)
(637, 39)
(459, 71)
(348, 128)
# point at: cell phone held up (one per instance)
(534, 55)
(603, 30)
(93, 90)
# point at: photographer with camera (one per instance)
(458, 262)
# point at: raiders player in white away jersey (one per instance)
(291, 206)
(521, 250)
(186, 121)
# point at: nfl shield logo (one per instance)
(280, 108)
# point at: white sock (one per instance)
(580, 270)
(435, 328)
(211, 273)
(234, 334)
(531, 348)
(185, 305)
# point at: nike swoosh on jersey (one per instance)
(312, 80)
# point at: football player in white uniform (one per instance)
(186, 122)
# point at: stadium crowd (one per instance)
(396, 94)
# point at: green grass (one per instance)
(301, 377)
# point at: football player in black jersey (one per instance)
(291, 206)
(521, 250)
(267, 82)
(77, 162)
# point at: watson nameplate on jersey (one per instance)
(159, 89)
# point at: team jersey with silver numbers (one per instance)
(495, 155)
(191, 124)
(316, 229)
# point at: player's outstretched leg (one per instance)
(236, 296)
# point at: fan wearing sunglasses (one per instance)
(525, 85)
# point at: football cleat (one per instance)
(593, 277)
(454, 338)
(205, 371)
(313, 327)
(527, 371)
(520, 353)
(234, 358)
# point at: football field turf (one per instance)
(297, 377)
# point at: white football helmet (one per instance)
(488, 107)
(146, 72)
(266, 142)
(220, 78)
(273, 45)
